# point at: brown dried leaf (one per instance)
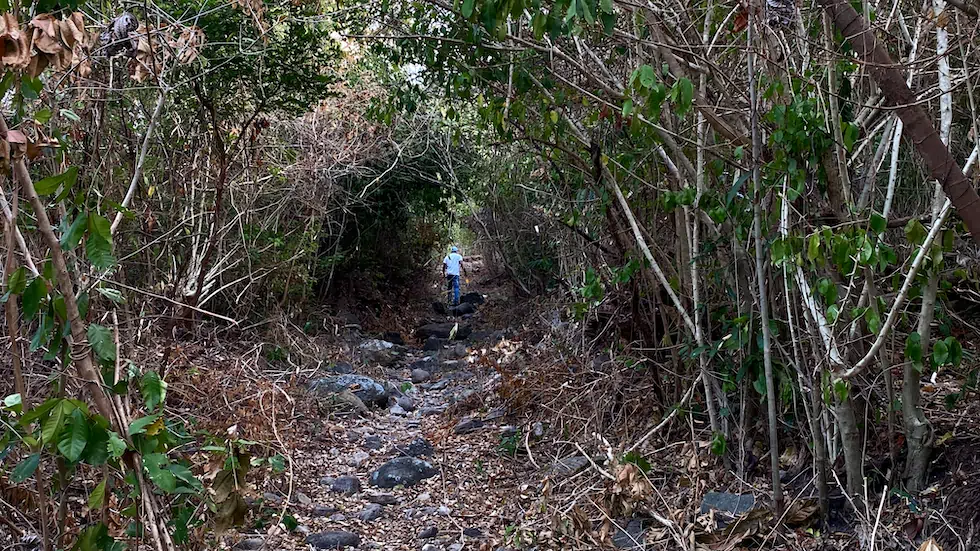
(14, 48)
(930, 545)
(188, 45)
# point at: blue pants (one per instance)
(452, 289)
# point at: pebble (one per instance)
(338, 517)
(334, 540)
(382, 499)
(397, 410)
(420, 376)
(303, 499)
(428, 532)
(373, 442)
(443, 511)
(430, 547)
(472, 532)
(271, 497)
(327, 481)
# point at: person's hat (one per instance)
(454, 249)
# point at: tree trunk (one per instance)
(918, 126)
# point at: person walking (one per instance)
(452, 267)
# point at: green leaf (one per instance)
(647, 76)
(117, 446)
(140, 425)
(636, 459)
(33, 295)
(17, 281)
(73, 443)
(97, 497)
(682, 95)
(43, 116)
(154, 389)
(181, 472)
(156, 467)
(99, 251)
(833, 312)
(25, 469)
(112, 294)
(913, 347)
(915, 231)
(49, 185)
(71, 238)
(718, 444)
(813, 247)
(627, 107)
(878, 223)
(940, 353)
(14, 403)
(53, 425)
(468, 8)
(873, 320)
(606, 6)
(98, 224)
(102, 343)
(955, 351)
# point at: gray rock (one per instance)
(473, 532)
(358, 459)
(431, 547)
(382, 499)
(366, 389)
(433, 344)
(538, 430)
(732, 504)
(371, 511)
(439, 385)
(393, 337)
(375, 345)
(443, 511)
(429, 532)
(631, 536)
(338, 517)
(420, 376)
(568, 466)
(406, 403)
(402, 471)
(327, 481)
(347, 485)
(341, 368)
(427, 411)
(323, 511)
(457, 352)
(468, 425)
(397, 410)
(443, 330)
(456, 547)
(303, 499)
(270, 497)
(494, 414)
(420, 447)
(373, 442)
(251, 544)
(333, 540)
(508, 431)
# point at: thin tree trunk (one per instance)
(760, 268)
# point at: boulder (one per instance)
(364, 388)
(402, 471)
(472, 298)
(334, 540)
(420, 447)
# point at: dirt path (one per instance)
(432, 470)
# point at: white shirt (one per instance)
(452, 263)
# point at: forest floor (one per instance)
(399, 442)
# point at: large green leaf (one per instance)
(99, 225)
(467, 8)
(17, 281)
(97, 497)
(102, 343)
(139, 426)
(73, 442)
(33, 295)
(99, 251)
(940, 353)
(156, 465)
(116, 445)
(53, 425)
(25, 469)
(49, 185)
(71, 238)
(154, 389)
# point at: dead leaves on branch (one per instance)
(65, 45)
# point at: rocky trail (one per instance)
(410, 450)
